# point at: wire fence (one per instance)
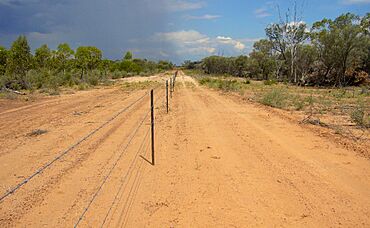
(140, 152)
(65, 152)
(122, 187)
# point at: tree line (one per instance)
(330, 53)
(21, 69)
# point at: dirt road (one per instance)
(219, 163)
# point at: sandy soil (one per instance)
(219, 162)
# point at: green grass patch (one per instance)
(276, 98)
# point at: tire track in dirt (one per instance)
(226, 164)
(39, 151)
(42, 193)
(54, 101)
(34, 198)
(32, 119)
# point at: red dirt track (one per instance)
(219, 163)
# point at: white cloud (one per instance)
(184, 37)
(203, 17)
(182, 5)
(353, 2)
(261, 13)
(194, 43)
(228, 40)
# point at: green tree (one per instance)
(19, 62)
(365, 25)
(87, 58)
(64, 55)
(262, 60)
(42, 56)
(128, 56)
(240, 68)
(105, 65)
(306, 57)
(3, 59)
(341, 45)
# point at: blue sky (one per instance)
(157, 29)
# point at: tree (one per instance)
(3, 59)
(128, 56)
(240, 66)
(19, 62)
(306, 57)
(42, 56)
(262, 60)
(87, 58)
(188, 64)
(104, 65)
(286, 36)
(341, 45)
(64, 55)
(365, 25)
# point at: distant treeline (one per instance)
(331, 53)
(46, 68)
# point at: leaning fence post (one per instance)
(167, 94)
(171, 85)
(173, 82)
(152, 121)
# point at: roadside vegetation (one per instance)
(321, 72)
(131, 86)
(48, 70)
(331, 53)
(345, 110)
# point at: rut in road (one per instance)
(54, 196)
(230, 163)
(220, 162)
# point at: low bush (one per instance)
(277, 98)
(82, 86)
(359, 115)
(269, 82)
(225, 85)
(298, 102)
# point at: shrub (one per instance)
(275, 98)
(270, 82)
(204, 81)
(298, 103)
(36, 79)
(340, 93)
(117, 74)
(93, 80)
(83, 86)
(230, 85)
(359, 115)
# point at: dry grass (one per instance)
(344, 109)
(131, 86)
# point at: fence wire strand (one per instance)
(123, 180)
(110, 171)
(137, 182)
(48, 164)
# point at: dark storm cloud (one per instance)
(112, 25)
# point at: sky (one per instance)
(174, 30)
